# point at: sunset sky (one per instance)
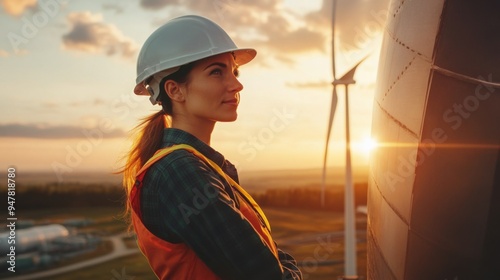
(68, 72)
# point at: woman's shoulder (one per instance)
(179, 160)
(177, 167)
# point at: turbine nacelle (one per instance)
(343, 82)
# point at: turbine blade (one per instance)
(334, 8)
(332, 109)
(348, 78)
(330, 122)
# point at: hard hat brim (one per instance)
(243, 56)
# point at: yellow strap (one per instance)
(165, 151)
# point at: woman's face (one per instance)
(212, 91)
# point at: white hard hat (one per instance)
(180, 41)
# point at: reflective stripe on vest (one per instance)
(176, 260)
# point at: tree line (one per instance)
(84, 195)
(309, 198)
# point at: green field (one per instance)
(299, 232)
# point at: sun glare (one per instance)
(367, 145)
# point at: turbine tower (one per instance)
(350, 270)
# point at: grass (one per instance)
(288, 225)
(292, 224)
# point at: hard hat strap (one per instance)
(153, 85)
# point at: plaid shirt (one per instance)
(184, 200)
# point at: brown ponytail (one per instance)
(148, 141)
(150, 133)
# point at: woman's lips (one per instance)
(233, 102)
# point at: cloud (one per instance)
(113, 7)
(357, 22)
(90, 34)
(157, 4)
(273, 28)
(220, 7)
(260, 23)
(235, 11)
(56, 132)
(283, 34)
(296, 41)
(18, 7)
(4, 53)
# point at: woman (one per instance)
(192, 219)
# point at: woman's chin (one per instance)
(229, 118)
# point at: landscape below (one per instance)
(314, 235)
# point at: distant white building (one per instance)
(33, 238)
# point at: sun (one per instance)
(367, 145)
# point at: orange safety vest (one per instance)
(177, 260)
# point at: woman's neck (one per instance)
(201, 130)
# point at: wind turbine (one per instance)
(350, 270)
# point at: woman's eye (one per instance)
(236, 73)
(216, 72)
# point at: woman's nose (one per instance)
(235, 84)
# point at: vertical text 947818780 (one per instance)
(11, 218)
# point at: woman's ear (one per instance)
(174, 91)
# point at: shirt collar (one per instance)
(173, 136)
